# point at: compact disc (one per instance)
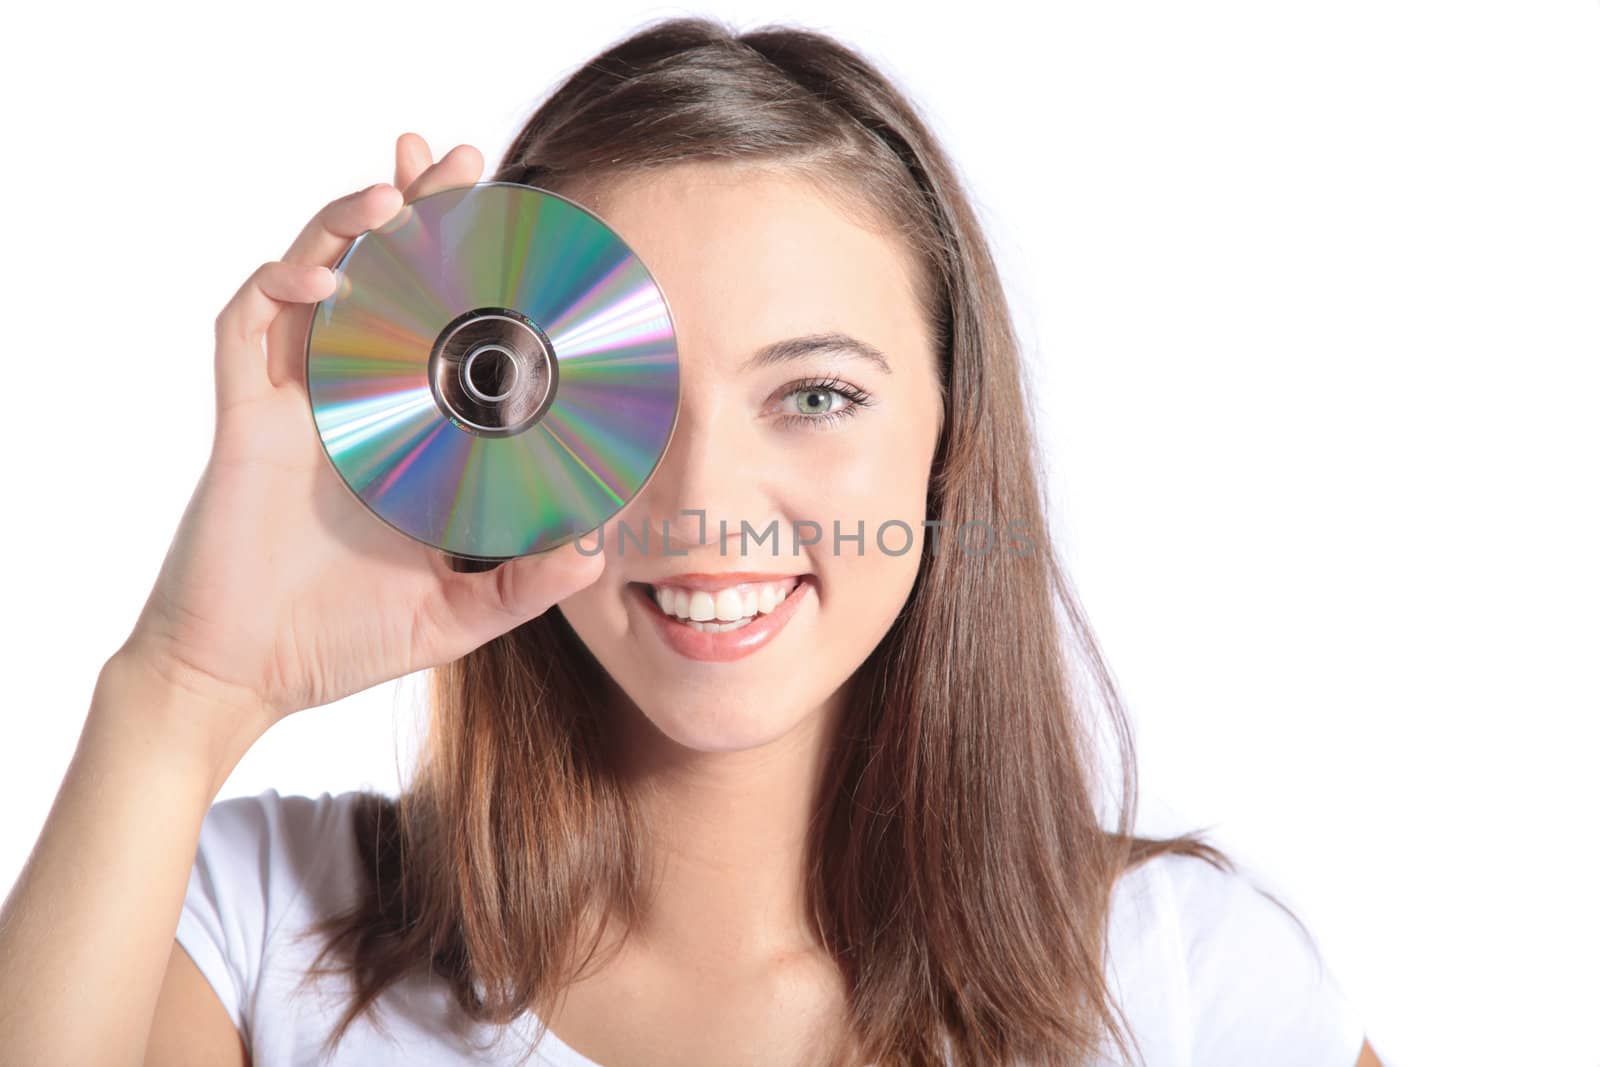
(496, 372)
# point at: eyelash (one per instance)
(857, 398)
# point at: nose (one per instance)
(708, 481)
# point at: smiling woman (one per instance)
(750, 252)
(826, 797)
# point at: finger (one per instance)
(482, 606)
(323, 242)
(460, 166)
(241, 363)
(324, 239)
(412, 156)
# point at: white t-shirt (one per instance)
(1209, 971)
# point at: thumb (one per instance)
(489, 603)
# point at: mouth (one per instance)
(724, 625)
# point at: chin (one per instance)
(721, 724)
(715, 704)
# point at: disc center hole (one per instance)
(489, 372)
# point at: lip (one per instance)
(720, 647)
(712, 583)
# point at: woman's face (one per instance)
(790, 444)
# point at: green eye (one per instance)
(812, 401)
(821, 403)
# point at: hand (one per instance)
(280, 591)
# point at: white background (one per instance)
(1310, 297)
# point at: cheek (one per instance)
(881, 494)
(596, 614)
(877, 496)
(874, 467)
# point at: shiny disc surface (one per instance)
(496, 372)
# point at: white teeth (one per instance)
(718, 627)
(736, 605)
(730, 605)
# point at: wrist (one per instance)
(204, 726)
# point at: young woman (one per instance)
(860, 828)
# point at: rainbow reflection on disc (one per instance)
(496, 373)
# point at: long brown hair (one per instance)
(959, 872)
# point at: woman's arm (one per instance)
(279, 592)
(87, 931)
(191, 1027)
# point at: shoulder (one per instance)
(273, 816)
(286, 820)
(283, 843)
(264, 863)
(1239, 978)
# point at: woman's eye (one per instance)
(821, 403)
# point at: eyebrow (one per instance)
(799, 347)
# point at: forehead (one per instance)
(748, 255)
